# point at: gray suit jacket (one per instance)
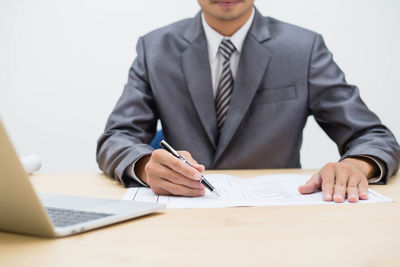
(285, 74)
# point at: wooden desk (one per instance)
(337, 235)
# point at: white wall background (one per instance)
(63, 65)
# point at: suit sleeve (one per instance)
(131, 125)
(339, 110)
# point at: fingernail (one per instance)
(352, 196)
(327, 197)
(338, 198)
(197, 176)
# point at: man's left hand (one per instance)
(340, 179)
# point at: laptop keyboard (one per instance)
(67, 217)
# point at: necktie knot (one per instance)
(226, 48)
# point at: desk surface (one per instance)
(331, 235)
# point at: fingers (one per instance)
(168, 160)
(352, 190)
(177, 178)
(311, 185)
(342, 175)
(343, 179)
(168, 175)
(363, 189)
(192, 161)
(328, 174)
(179, 190)
(357, 188)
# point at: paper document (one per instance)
(268, 190)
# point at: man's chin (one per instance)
(226, 17)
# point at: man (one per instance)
(235, 89)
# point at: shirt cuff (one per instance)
(130, 171)
(381, 167)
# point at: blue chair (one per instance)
(155, 143)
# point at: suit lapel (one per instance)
(196, 69)
(254, 60)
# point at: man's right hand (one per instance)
(168, 175)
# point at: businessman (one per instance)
(235, 89)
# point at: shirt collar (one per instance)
(214, 38)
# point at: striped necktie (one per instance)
(225, 85)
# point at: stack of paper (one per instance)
(268, 190)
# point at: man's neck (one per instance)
(227, 28)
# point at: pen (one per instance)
(203, 180)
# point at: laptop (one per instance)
(24, 211)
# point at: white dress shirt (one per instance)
(215, 59)
(214, 39)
